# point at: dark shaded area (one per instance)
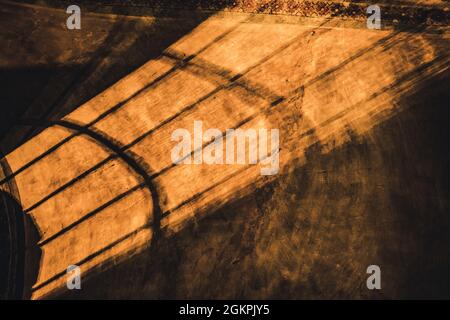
(19, 89)
(19, 253)
(107, 142)
(398, 12)
(12, 248)
(381, 199)
(70, 86)
(73, 84)
(378, 200)
(420, 245)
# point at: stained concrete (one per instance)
(364, 164)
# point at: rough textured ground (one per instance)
(380, 200)
(364, 180)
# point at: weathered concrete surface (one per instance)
(363, 168)
(63, 70)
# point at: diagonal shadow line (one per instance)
(71, 182)
(409, 76)
(232, 80)
(211, 72)
(278, 99)
(110, 41)
(215, 185)
(110, 202)
(120, 240)
(91, 213)
(213, 92)
(164, 76)
(11, 186)
(205, 144)
(116, 107)
(406, 77)
(107, 142)
(182, 64)
(93, 255)
(209, 68)
(109, 158)
(196, 196)
(38, 158)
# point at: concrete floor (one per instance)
(364, 160)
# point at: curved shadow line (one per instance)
(16, 276)
(11, 184)
(120, 151)
(101, 138)
(81, 75)
(117, 106)
(90, 257)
